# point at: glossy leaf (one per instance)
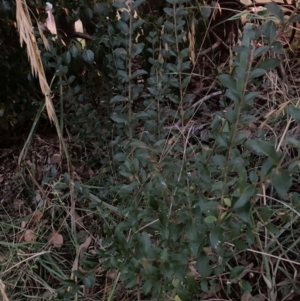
(88, 56)
(245, 197)
(282, 181)
(203, 266)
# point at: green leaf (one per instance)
(223, 139)
(266, 168)
(146, 242)
(253, 177)
(240, 73)
(141, 115)
(99, 8)
(227, 202)
(206, 11)
(246, 195)
(71, 79)
(233, 95)
(168, 11)
(139, 144)
(60, 186)
(67, 57)
(137, 3)
(74, 51)
(244, 212)
(202, 265)
(272, 228)
(118, 118)
(88, 56)
(118, 98)
(246, 286)
(270, 31)
(239, 138)
(227, 81)
(188, 97)
(139, 72)
(147, 286)
(240, 245)
(121, 157)
(120, 52)
(295, 19)
(66, 178)
(78, 274)
(129, 188)
(295, 199)
(274, 9)
(265, 213)
(89, 280)
(294, 112)
(250, 96)
(269, 64)
(123, 26)
(260, 51)
(137, 24)
(257, 73)
(216, 238)
(69, 282)
(137, 49)
(210, 219)
(236, 272)
(282, 181)
(263, 147)
(123, 74)
(53, 171)
(289, 140)
(219, 161)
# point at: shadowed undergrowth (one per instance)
(178, 177)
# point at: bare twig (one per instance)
(199, 102)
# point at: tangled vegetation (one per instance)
(172, 170)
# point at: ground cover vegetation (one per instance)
(171, 171)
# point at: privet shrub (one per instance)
(174, 213)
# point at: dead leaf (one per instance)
(37, 216)
(38, 199)
(79, 221)
(268, 282)
(29, 236)
(192, 270)
(23, 224)
(112, 274)
(259, 298)
(2, 291)
(84, 246)
(55, 159)
(90, 172)
(17, 204)
(93, 252)
(38, 196)
(98, 270)
(247, 297)
(56, 240)
(47, 295)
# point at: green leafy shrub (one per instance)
(177, 215)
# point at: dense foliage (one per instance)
(179, 214)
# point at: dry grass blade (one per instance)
(25, 29)
(2, 290)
